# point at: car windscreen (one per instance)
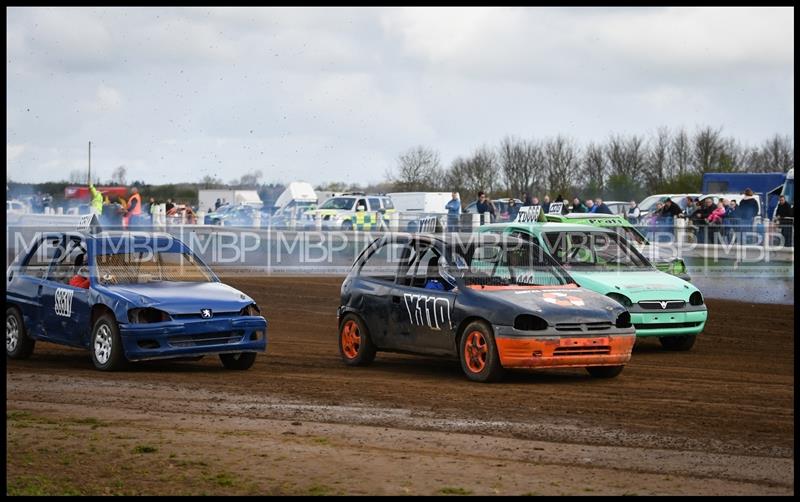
(510, 264)
(345, 203)
(142, 267)
(594, 251)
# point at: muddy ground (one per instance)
(716, 420)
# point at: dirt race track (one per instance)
(716, 420)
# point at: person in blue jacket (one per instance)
(453, 212)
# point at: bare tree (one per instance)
(707, 149)
(595, 168)
(680, 153)
(731, 156)
(78, 176)
(477, 172)
(561, 164)
(419, 170)
(250, 179)
(777, 153)
(210, 181)
(658, 165)
(626, 156)
(522, 162)
(119, 175)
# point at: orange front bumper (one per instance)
(565, 352)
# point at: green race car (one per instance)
(600, 259)
(669, 264)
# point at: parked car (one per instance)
(648, 204)
(127, 297)
(351, 211)
(494, 302)
(241, 215)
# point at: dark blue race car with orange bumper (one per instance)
(127, 296)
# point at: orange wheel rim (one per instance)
(475, 351)
(351, 339)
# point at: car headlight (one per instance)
(147, 315)
(696, 298)
(251, 309)
(621, 299)
(528, 322)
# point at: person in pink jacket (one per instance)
(715, 218)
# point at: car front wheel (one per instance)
(238, 361)
(18, 344)
(355, 345)
(478, 353)
(106, 347)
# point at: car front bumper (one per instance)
(669, 323)
(193, 338)
(519, 349)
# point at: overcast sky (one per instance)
(320, 94)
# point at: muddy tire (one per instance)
(605, 371)
(684, 342)
(18, 344)
(478, 353)
(238, 361)
(106, 345)
(355, 344)
(347, 225)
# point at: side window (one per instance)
(382, 264)
(71, 262)
(387, 203)
(423, 270)
(39, 261)
(374, 204)
(361, 202)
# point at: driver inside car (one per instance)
(81, 277)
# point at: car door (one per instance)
(422, 314)
(65, 308)
(25, 284)
(375, 281)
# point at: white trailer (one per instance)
(207, 198)
(421, 202)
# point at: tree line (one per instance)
(623, 167)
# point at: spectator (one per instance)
(577, 207)
(170, 206)
(601, 206)
(715, 220)
(590, 208)
(535, 201)
(633, 213)
(526, 200)
(747, 211)
(153, 210)
(513, 210)
(484, 206)
(784, 217)
(217, 204)
(700, 219)
(453, 211)
(560, 199)
(546, 204)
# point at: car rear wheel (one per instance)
(18, 344)
(478, 353)
(684, 342)
(355, 344)
(238, 361)
(106, 347)
(605, 371)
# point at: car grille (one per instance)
(205, 339)
(585, 326)
(657, 305)
(585, 350)
(215, 315)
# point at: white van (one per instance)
(422, 202)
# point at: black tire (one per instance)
(355, 347)
(238, 361)
(683, 342)
(18, 344)
(347, 225)
(484, 364)
(105, 347)
(605, 371)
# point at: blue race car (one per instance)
(127, 296)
